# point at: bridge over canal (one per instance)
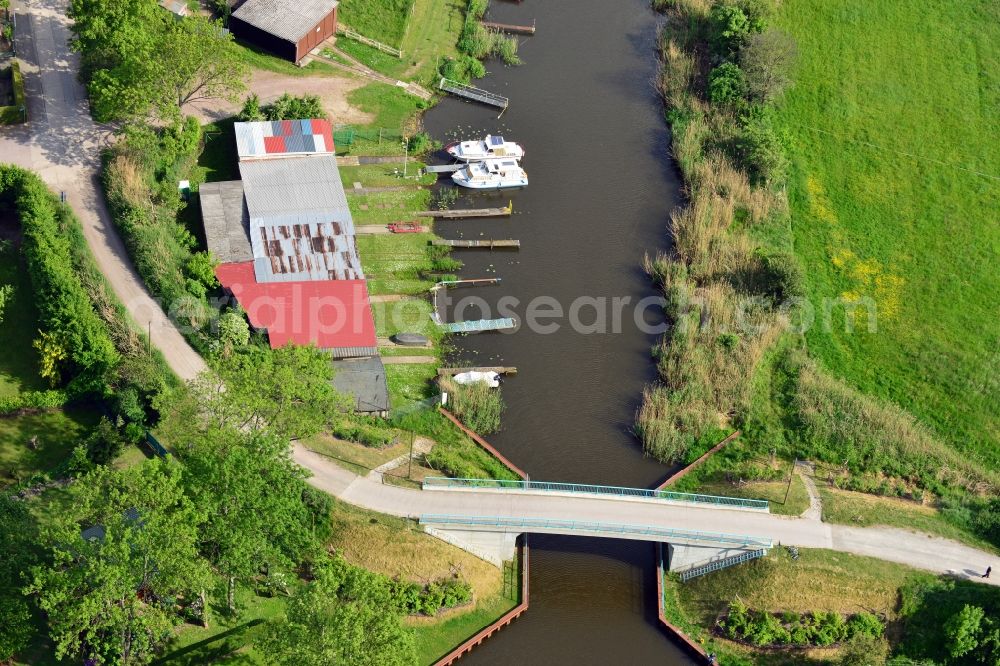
(450, 507)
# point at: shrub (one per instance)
(762, 151)
(17, 629)
(726, 84)
(818, 628)
(105, 443)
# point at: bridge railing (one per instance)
(607, 491)
(625, 530)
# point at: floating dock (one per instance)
(484, 244)
(467, 212)
(480, 325)
(473, 93)
(472, 282)
(444, 168)
(508, 28)
(499, 369)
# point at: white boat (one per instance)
(489, 148)
(491, 175)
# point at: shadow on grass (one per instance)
(210, 649)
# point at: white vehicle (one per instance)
(489, 148)
(491, 175)
(492, 379)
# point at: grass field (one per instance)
(429, 37)
(850, 508)
(58, 431)
(896, 183)
(19, 325)
(796, 501)
(382, 20)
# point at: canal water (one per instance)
(601, 188)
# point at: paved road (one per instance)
(62, 144)
(895, 545)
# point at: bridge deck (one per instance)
(593, 528)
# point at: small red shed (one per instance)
(287, 28)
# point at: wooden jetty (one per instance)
(499, 369)
(467, 212)
(471, 282)
(512, 29)
(485, 244)
(473, 93)
(480, 325)
(444, 168)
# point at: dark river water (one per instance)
(601, 189)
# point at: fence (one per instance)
(607, 491)
(346, 135)
(584, 526)
(716, 565)
(367, 41)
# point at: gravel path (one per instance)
(917, 550)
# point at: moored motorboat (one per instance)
(491, 147)
(491, 175)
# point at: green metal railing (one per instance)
(587, 489)
(583, 526)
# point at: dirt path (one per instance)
(806, 471)
(62, 144)
(269, 86)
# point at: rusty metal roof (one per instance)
(300, 224)
(287, 19)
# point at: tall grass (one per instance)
(477, 405)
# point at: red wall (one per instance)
(317, 35)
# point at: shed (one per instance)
(364, 379)
(227, 221)
(287, 28)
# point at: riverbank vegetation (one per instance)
(919, 617)
(748, 318)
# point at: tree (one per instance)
(285, 391)
(766, 60)
(234, 331)
(18, 536)
(139, 61)
(864, 650)
(252, 493)
(320, 628)
(962, 630)
(197, 62)
(109, 597)
(762, 150)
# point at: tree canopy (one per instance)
(140, 61)
(121, 553)
(323, 627)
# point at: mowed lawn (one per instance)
(895, 123)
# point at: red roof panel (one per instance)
(327, 313)
(274, 144)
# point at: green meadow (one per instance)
(894, 125)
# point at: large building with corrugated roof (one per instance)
(287, 28)
(284, 237)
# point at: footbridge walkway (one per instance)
(462, 507)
